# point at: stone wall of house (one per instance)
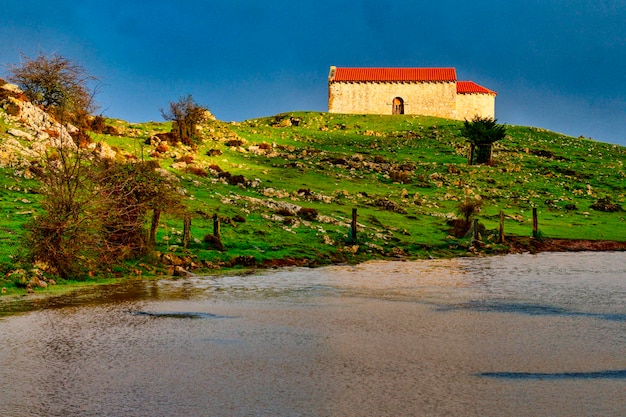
(427, 98)
(470, 105)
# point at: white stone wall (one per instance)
(470, 105)
(427, 98)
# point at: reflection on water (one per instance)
(518, 335)
(621, 374)
(179, 315)
(529, 309)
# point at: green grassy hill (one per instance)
(405, 175)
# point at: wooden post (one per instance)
(535, 223)
(475, 234)
(156, 216)
(216, 226)
(186, 230)
(353, 226)
(501, 226)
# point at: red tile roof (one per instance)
(393, 74)
(470, 87)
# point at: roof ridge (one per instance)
(392, 74)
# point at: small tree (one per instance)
(94, 211)
(128, 191)
(467, 209)
(58, 84)
(185, 115)
(65, 234)
(482, 132)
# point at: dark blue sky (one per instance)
(556, 64)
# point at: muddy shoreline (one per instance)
(513, 245)
(519, 244)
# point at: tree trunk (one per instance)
(156, 217)
(470, 160)
(186, 230)
(482, 153)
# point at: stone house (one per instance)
(421, 91)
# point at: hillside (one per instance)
(284, 187)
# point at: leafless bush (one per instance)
(403, 177)
(61, 86)
(94, 212)
(185, 115)
(468, 208)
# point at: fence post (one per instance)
(475, 234)
(353, 226)
(186, 230)
(216, 226)
(535, 223)
(501, 226)
(156, 216)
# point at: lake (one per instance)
(515, 335)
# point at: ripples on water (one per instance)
(519, 335)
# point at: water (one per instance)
(518, 335)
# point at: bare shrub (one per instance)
(58, 84)
(234, 143)
(468, 208)
(213, 242)
(283, 211)
(308, 213)
(403, 177)
(185, 115)
(237, 179)
(97, 124)
(216, 168)
(94, 212)
(605, 204)
(197, 171)
(214, 152)
(162, 148)
(186, 159)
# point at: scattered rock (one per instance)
(179, 271)
(389, 205)
(20, 134)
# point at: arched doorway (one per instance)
(397, 106)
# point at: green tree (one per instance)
(185, 115)
(481, 133)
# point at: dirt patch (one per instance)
(283, 262)
(521, 244)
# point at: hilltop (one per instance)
(284, 187)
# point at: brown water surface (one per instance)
(518, 335)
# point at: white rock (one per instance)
(20, 134)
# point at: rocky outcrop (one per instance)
(32, 130)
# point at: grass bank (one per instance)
(284, 187)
